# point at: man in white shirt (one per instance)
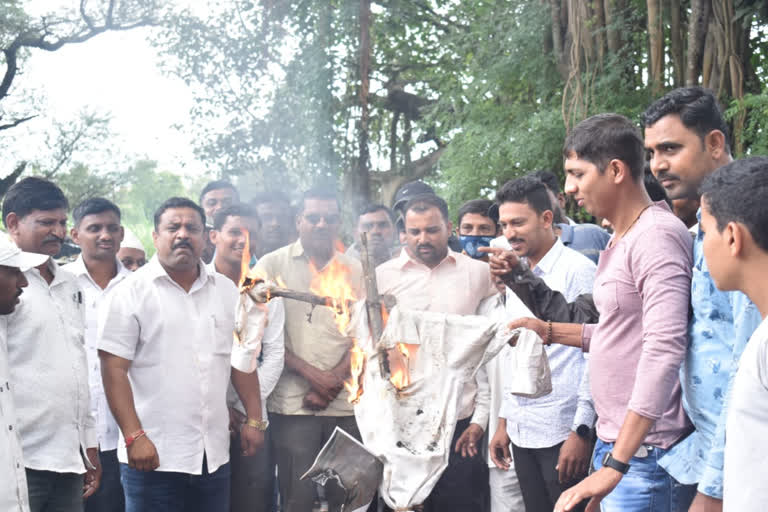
(98, 233)
(47, 357)
(735, 225)
(13, 491)
(550, 435)
(428, 276)
(253, 478)
(166, 343)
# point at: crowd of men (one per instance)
(121, 388)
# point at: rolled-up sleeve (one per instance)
(586, 335)
(661, 263)
(118, 326)
(273, 348)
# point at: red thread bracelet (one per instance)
(133, 437)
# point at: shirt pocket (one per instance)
(223, 335)
(607, 297)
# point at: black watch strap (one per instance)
(609, 461)
(584, 432)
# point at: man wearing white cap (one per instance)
(131, 254)
(98, 233)
(13, 491)
(47, 360)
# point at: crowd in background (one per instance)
(122, 389)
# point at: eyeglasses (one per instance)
(314, 219)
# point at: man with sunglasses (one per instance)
(308, 402)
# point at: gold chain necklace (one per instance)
(616, 239)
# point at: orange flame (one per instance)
(339, 246)
(245, 261)
(334, 282)
(399, 364)
(354, 385)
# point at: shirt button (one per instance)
(10, 427)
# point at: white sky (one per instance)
(117, 73)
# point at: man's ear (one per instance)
(619, 170)
(737, 237)
(12, 223)
(715, 144)
(213, 235)
(73, 233)
(155, 236)
(547, 216)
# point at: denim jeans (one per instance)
(109, 497)
(646, 487)
(166, 491)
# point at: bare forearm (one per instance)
(117, 387)
(631, 436)
(567, 334)
(298, 365)
(343, 368)
(249, 390)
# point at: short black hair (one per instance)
(217, 185)
(178, 202)
(479, 207)
(93, 206)
(270, 197)
(738, 192)
(31, 194)
(320, 192)
(605, 137)
(528, 190)
(373, 208)
(234, 210)
(549, 179)
(697, 108)
(423, 202)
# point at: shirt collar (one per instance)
(60, 275)
(405, 258)
(547, 263)
(78, 268)
(156, 270)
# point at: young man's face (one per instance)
(426, 236)
(215, 200)
(132, 259)
(99, 236)
(591, 189)
(12, 280)
(525, 230)
(179, 239)
(475, 224)
(40, 231)
(276, 228)
(380, 229)
(717, 251)
(230, 240)
(678, 156)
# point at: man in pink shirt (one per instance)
(642, 292)
(428, 276)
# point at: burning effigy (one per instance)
(407, 373)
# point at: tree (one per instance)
(22, 33)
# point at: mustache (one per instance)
(667, 175)
(53, 238)
(19, 292)
(425, 246)
(515, 240)
(182, 243)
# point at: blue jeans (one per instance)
(53, 492)
(109, 497)
(646, 487)
(165, 491)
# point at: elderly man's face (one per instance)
(179, 239)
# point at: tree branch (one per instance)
(16, 122)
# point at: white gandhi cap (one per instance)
(12, 256)
(131, 241)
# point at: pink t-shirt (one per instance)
(642, 291)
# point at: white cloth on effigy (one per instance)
(411, 429)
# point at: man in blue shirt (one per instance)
(687, 140)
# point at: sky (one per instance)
(116, 73)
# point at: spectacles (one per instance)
(314, 219)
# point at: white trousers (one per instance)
(505, 491)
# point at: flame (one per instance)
(399, 364)
(384, 316)
(339, 246)
(334, 282)
(354, 385)
(280, 282)
(245, 261)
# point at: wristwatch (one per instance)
(584, 432)
(610, 462)
(258, 424)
